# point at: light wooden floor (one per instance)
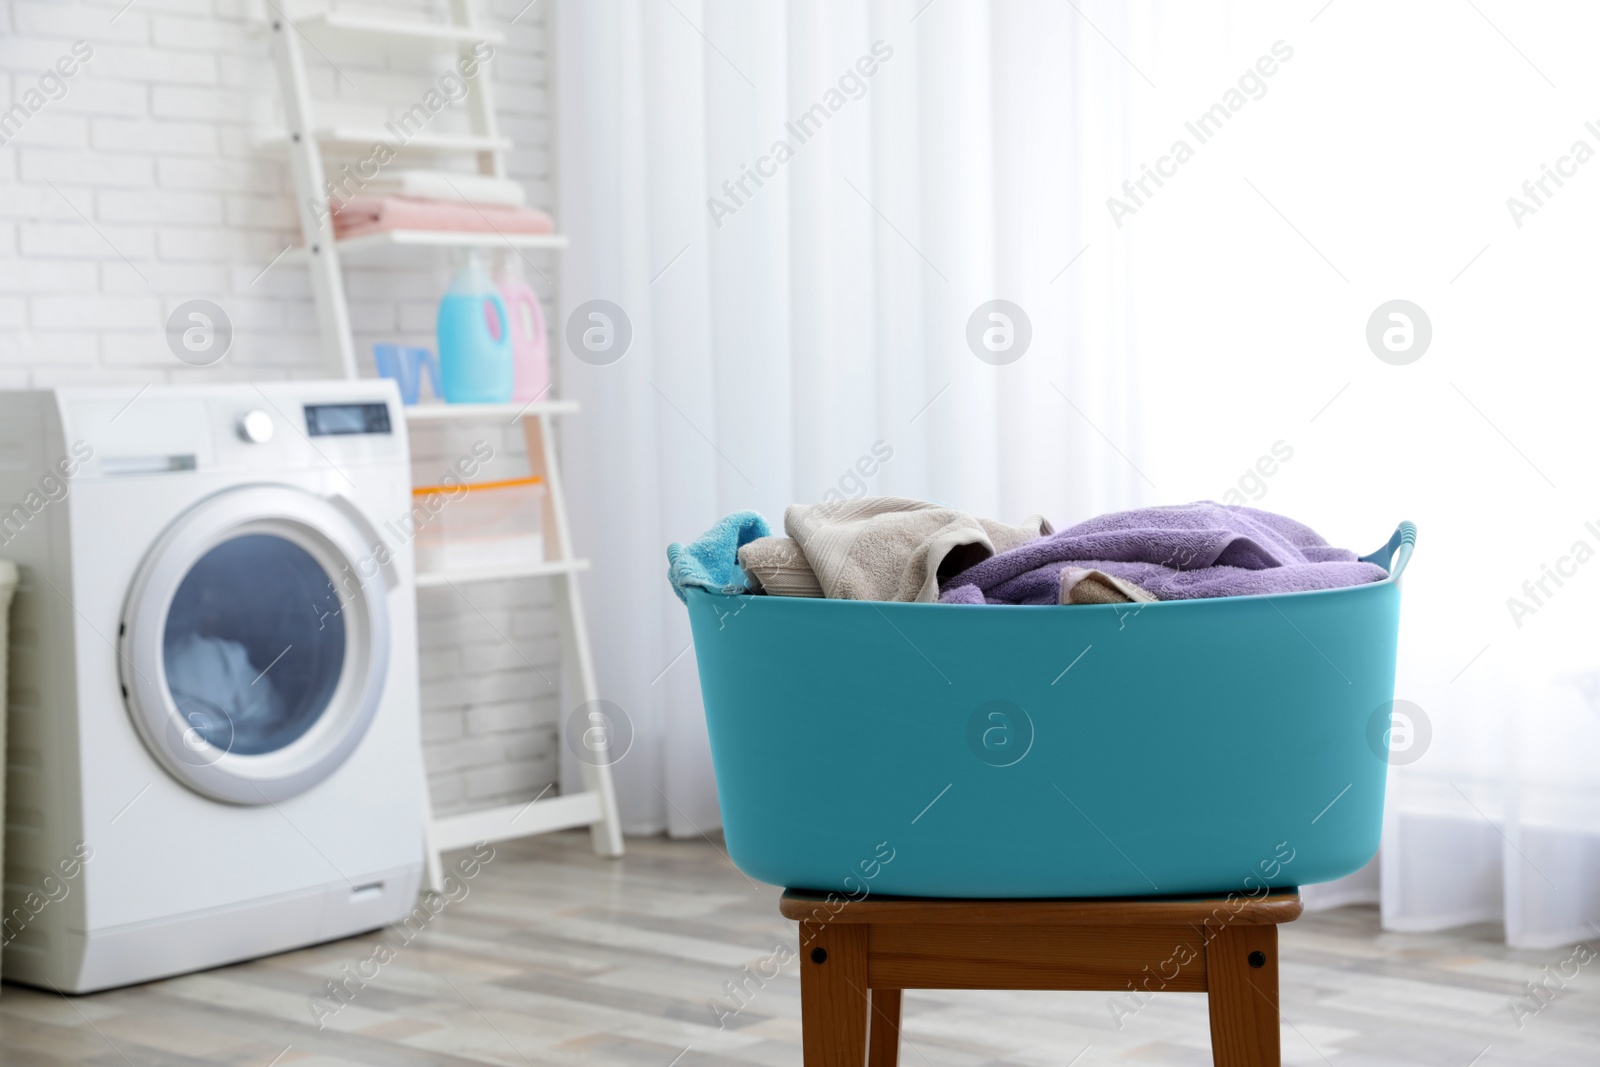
(556, 957)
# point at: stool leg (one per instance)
(883, 1035)
(1244, 997)
(833, 996)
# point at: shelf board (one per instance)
(399, 29)
(514, 820)
(383, 239)
(464, 575)
(366, 244)
(464, 412)
(363, 137)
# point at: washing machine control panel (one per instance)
(256, 427)
(265, 427)
(326, 420)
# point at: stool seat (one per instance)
(857, 955)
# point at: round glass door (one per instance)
(255, 643)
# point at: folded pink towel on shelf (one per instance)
(372, 214)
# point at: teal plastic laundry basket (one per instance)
(944, 750)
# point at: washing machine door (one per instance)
(255, 642)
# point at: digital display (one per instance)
(325, 420)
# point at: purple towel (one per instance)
(1176, 553)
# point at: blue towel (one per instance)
(712, 560)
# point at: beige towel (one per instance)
(890, 548)
(1079, 586)
(777, 567)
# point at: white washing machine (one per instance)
(214, 748)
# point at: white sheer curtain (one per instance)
(828, 312)
(1370, 172)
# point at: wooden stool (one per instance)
(856, 957)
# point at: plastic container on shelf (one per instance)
(479, 525)
(529, 347)
(475, 355)
(407, 365)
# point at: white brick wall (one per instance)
(162, 194)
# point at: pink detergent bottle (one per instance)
(530, 352)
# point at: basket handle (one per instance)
(1394, 555)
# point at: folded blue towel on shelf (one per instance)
(711, 561)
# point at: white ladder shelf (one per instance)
(596, 806)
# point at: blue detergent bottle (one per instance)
(475, 355)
